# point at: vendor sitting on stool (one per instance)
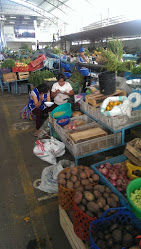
(36, 104)
(61, 90)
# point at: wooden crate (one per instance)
(67, 227)
(23, 75)
(132, 158)
(9, 77)
(97, 98)
(134, 147)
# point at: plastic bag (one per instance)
(49, 149)
(122, 109)
(49, 176)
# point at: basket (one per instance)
(81, 223)
(65, 195)
(64, 109)
(122, 217)
(133, 185)
(65, 122)
(131, 168)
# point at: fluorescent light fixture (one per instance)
(26, 17)
(13, 17)
(12, 22)
(24, 22)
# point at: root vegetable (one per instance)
(74, 171)
(110, 243)
(115, 197)
(68, 175)
(69, 185)
(88, 187)
(88, 196)
(101, 202)
(100, 235)
(101, 244)
(100, 188)
(89, 213)
(77, 184)
(83, 175)
(112, 203)
(127, 240)
(60, 176)
(91, 180)
(73, 179)
(106, 194)
(97, 194)
(81, 189)
(92, 206)
(107, 236)
(99, 214)
(95, 177)
(117, 235)
(113, 227)
(78, 197)
(108, 190)
(84, 202)
(85, 182)
(106, 207)
(62, 181)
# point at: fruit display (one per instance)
(20, 64)
(136, 197)
(112, 104)
(116, 174)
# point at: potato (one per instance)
(91, 180)
(101, 202)
(87, 172)
(115, 197)
(88, 187)
(95, 177)
(61, 176)
(78, 197)
(85, 182)
(106, 207)
(88, 196)
(69, 185)
(106, 194)
(81, 189)
(89, 213)
(81, 167)
(99, 214)
(74, 179)
(74, 171)
(111, 201)
(97, 194)
(108, 190)
(84, 202)
(62, 181)
(117, 235)
(92, 206)
(100, 188)
(77, 184)
(82, 207)
(68, 175)
(83, 175)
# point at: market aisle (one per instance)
(25, 221)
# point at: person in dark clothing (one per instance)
(139, 59)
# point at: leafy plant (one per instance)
(136, 70)
(26, 60)
(37, 78)
(8, 63)
(77, 77)
(87, 53)
(56, 50)
(116, 47)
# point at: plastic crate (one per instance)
(22, 88)
(91, 145)
(37, 67)
(116, 123)
(38, 61)
(21, 69)
(5, 70)
(121, 217)
(117, 159)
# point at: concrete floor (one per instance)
(26, 221)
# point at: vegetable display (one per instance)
(112, 104)
(96, 200)
(136, 197)
(116, 174)
(62, 120)
(78, 178)
(58, 114)
(116, 236)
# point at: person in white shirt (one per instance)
(61, 90)
(2, 58)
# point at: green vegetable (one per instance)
(8, 63)
(37, 78)
(136, 197)
(136, 70)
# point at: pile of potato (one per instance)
(96, 200)
(78, 178)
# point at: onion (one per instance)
(114, 183)
(108, 165)
(116, 166)
(120, 189)
(101, 166)
(119, 182)
(104, 171)
(113, 177)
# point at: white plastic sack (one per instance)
(49, 149)
(123, 109)
(49, 176)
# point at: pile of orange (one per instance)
(112, 104)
